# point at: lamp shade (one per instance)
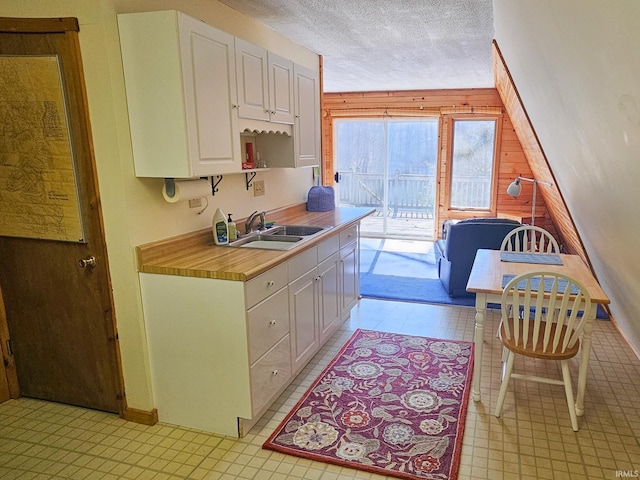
(515, 188)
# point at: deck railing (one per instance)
(408, 192)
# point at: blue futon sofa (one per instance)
(456, 251)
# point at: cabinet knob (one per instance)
(272, 323)
(270, 283)
(275, 372)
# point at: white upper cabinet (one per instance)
(180, 78)
(252, 74)
(192, 89)
(307, 116)
(281, 89)
(265, 84)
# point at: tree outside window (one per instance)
(472, 164)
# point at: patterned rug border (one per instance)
(464, 405)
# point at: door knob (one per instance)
(89, 262)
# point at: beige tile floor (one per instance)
(41, 440)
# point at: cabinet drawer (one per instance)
(348, 235)
(269, 374)
(302, 263)
(328, 247)
(267, 322)
(265, 284)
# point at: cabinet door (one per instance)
(303, 316)
(307, 121)
(329, 300)
(253, 81)
(350, 275)
(280, 89)
(209, 94)
(181, 88)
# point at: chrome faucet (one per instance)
(252, 218)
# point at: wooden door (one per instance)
(59, 308)
(8, 378)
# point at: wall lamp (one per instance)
(515, 188)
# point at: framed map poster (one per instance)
(38, 188)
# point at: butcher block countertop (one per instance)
(194, 255)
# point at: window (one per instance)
(472, 164)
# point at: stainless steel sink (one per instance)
(278, 237)
(271, 242)
(298, 230)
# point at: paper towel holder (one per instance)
(170, 184)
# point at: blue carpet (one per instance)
(404, 276)
(408, 277)
(408, 289)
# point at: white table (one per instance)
(485, 281)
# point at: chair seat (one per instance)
(528, 350)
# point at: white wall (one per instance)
(577, 69)
(133, 208)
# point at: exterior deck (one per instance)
(403, 224)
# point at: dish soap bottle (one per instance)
(220, 228)
(233, 232)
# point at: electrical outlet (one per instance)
(195, 203)
(258, 188)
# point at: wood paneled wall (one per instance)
(446, 104)
(557, 211)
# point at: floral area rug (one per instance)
(387, 403)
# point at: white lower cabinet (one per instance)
(314, 300)
(329, 308)
(303, 318)
(267, 323)
(269, 375)
(269, 350)
(222, 351)
(349, 273)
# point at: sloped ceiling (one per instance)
(371, 45)
(576, 68)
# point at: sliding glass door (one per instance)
(390, 165)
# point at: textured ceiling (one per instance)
(370, 45)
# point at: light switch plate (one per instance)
(258, 188)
